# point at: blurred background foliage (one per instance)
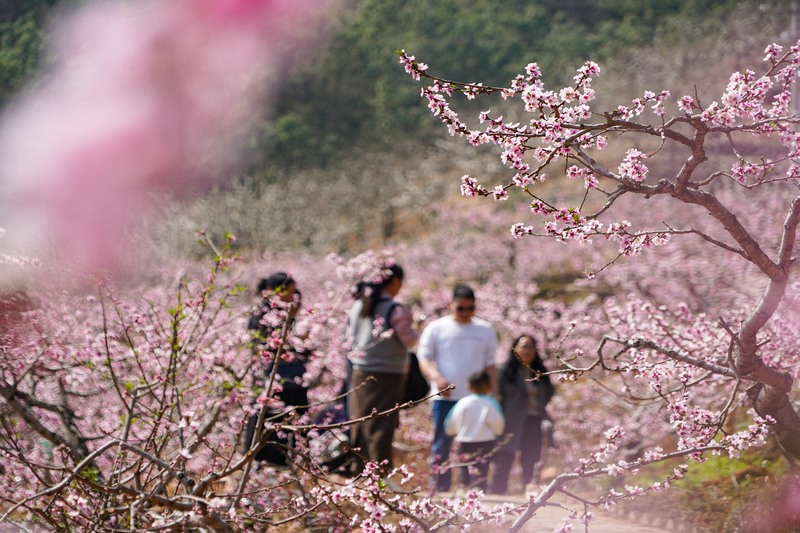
(353, 94)
(348, 156)
(21, 39)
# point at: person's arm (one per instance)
(495, 418)
(490, 368)
(547, 383)
(402, 322)
(492, 371)
(432, 374)
(426, 353)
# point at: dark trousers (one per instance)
(440, 448)
(476, 472)
(346, 386)
(276, 449)
(373, 437)
(530, 453)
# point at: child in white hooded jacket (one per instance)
(475, 421)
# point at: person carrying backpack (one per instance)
(380, 331)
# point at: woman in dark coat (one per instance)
(524, 395)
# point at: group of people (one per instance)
(493, 414)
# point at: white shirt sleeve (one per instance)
(426, 349)
(491, 347)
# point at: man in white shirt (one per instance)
(450, 349)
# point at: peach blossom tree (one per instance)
(654, 170)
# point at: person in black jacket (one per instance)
(279, 305)
(525, 392)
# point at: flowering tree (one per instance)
(736, 152)
(157, 387)
(124, 409)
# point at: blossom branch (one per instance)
(678, 355)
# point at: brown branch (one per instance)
(709, 239)
(75, 443)
(775, 292)
(735, 229)
(677, 355)
(697, 158)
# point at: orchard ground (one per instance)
(549, 518)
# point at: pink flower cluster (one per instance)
(414, 69)
(559, 127)
(632, 167)
(367, 267)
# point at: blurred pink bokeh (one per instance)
(141, 98)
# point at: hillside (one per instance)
(349, 157)
(352, 96)
(355, 95)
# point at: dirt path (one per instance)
(552, 516)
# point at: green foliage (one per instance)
(92, 473)
(11, 10)
(721, 492)
(714, 493)
(720, 470)
(293, 138)
(357, 95)
(21, 40)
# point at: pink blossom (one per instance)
(568, 94)
(470, 186)
(686, 104)
(412, 67)
(519, 230)
(145, 96)
(772, 52)
(632, 168)
(533, 71)
(500, 193)
(523, 180)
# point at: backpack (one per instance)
(417, 386)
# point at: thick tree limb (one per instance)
(19, 403)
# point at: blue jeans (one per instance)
(440, 448)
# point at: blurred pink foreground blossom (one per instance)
(142, 97)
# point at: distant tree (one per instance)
(734, 161)
(21, 40)
(472, 39)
